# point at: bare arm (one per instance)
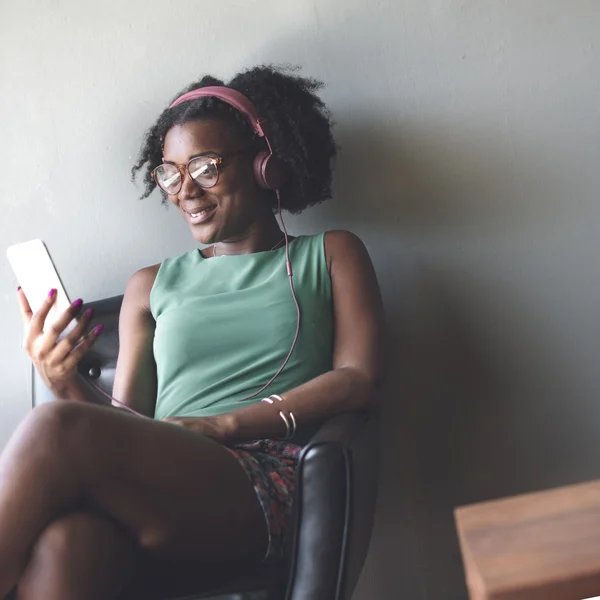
(135, 378)
(357, 355)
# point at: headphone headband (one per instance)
(270, 172)
(231, 97)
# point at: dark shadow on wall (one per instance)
(487, 422)
(438, 369)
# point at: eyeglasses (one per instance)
(204, 171)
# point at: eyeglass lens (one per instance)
(203, 170)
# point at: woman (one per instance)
(88, 493)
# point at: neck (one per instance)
(260, 236)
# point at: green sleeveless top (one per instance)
(224, 326)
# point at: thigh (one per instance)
(179, 494)
(80, 555)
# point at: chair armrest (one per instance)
(341, 428)
(335, 501)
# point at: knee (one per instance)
(60, 413)
(66, 539)
(55, 560)
(56, 428)
(80, 555)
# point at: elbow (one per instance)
(365, 386)
(372, 394)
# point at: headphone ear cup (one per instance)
(270, 172)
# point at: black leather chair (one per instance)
(335, 495)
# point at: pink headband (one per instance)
(231, 97)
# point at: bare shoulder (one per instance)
(357, 305)
(344, 247)
(140, 285)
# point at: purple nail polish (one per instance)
(98, 329)
(77, 303)
(51, 293)
(19, 289)
(88, 313)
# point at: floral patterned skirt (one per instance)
(271, 466)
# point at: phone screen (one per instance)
(37, 275)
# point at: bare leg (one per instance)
(81, 555)
(176, 493)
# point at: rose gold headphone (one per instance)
(270, 172)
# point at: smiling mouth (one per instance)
(200, 215)
(201, 212)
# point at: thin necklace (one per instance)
(273, 248)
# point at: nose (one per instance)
(189, 188)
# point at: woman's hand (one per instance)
(218, 427)
(56, 360)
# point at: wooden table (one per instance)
(540, 546)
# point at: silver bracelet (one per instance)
(271, 399)
(287, 425)
(290, 432)
(293, 418)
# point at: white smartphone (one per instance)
(37, 275)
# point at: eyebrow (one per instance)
(206, 153)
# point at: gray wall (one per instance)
(470, 166)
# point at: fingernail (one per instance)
(19, 289)
(77, 303)
(88, 313)
(98, 329)
(51, 293)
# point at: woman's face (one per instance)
(229, 209)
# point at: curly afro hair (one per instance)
(300, 130)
